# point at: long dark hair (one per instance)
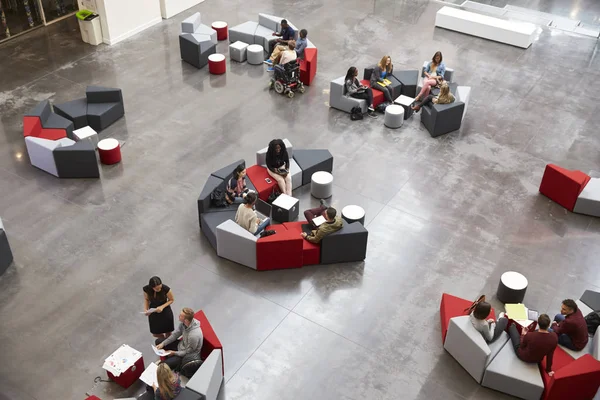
(271, 152)
(154, 282)
(238, 170)
(350, 74)
(437, 53)
(482, 310)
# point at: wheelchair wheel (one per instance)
(290, 94)
(301, 89)
(278, 87)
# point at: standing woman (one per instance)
(356, 90)
(382, 71)
(434, 75)
(160, 297)
(278, 165)
(169, 383)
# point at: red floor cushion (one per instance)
(211, 341)
(378, 96)
(311, 252)
(308, 66)
(280, 251)
(32, 126)
(258, 176)
(563, 186)
(573, 379)
(452, 306)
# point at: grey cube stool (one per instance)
(512, 287)
(353, 213)
(6, 257)
(394, 116)
(237, 51)
(255, 54)
(321, 185)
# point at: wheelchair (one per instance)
(286, 79)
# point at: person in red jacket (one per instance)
(570, 326)
(532, 347)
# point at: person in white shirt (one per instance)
(285, 56)
(246, 216)
(489, 329)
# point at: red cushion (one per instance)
(92, 398)
(573, 379)
(311, 252)
(32, 126)
(562, 185)
(308, 66)
(52, 134)
(257, 176)
(211, 341)
(378, 96)
(280, 251)
(452, 306)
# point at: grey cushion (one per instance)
(469, 348)
(209, 222)
(440, 119)
(338, 99)
(588, 201)
(409, 80)
(187, 394)
(101, 115)
(55, 121)
(591, 299)
(311, 161)
(226, 173)
(507, 374)
(191, 23)
(208, 379)
(346, 245)
(207, 30)
(236, 244)
(41, 110)
(243, 32)
(195, 48)
(77, 160)
(75, 111)
(99, 94)
(270, 22)
(6, 256)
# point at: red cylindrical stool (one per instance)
(216, 64)
(109, 151)
(221, 28)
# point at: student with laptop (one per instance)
(247, 218)
(321, 222)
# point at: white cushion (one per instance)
(236, 244)
(588, 201)
(40, 153)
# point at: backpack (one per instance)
(381, 108)
(356, 113)
(190, 364)
(274, 195)
(593, 322)
(217, 198)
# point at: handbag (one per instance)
(471, 308)
(356, 113)
(273, 196)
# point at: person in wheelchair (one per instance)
(285, 56)
(288, 72)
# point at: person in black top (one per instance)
(280, 44)
(278, 165)
(157, 305)
(358, 91)
(236, 186)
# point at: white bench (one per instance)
(520, 34)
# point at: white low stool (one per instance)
(321, 185)
(394, 116)
(86, 133)
(353, 213)
(237, 51)
(255, 54)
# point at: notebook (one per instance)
(319, 220)
(516, 311)
(263, 209)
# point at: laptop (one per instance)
(263, 209)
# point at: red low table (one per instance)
(216, 64)
(109, 151)
(221, 28)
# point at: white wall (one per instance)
(169, 8)
(124, 18)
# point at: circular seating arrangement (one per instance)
(216, 64)
(353, 213)
(394, 116)
(254, 54)
(321, 185)
(109, 151)
(512, 287)
(221, 28)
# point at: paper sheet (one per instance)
(516, 311)
(150, 311)
(160, 352)
(149, 375)
(319, 220)
(121, 359)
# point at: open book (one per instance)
(319, 220)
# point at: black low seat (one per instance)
(6, 256)
(210, 220)
(55, 121)
(440, 119)
(346, 245)
(311, 161)
(396, 84)
(591, 299)
(77, 161)
(42, 110)
(409, 80)
(104, 106)
(75, 110)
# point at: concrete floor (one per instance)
(444, 215)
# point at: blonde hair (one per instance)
(292, 44)
(382, 65)
(445, 96)
(165, 378)
(188, 313)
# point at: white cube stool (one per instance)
(237, 51)
(86, 133)
(353, 213)
(321, 185)
(394, 116)
(255, 54)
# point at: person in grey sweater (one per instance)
(489, 329)
(356, 90)
(191, 339)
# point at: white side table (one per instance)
(86, 133)
(321, 185)
(353, 213)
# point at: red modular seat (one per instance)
(563, 186)
(311, 252)
(574, 379)
(32, 126)
(211, 341)
(282, 250)
(258, 176)
(308, 65)
(92, 398)
(452, 306)
(378, 96)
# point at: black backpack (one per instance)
(593, 322)
(356, 113)
(217, 198)
(381, 108)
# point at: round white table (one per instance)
(321, 185)
(394, 116)
(512, 287)
(353, 213)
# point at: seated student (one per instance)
(331, 224)
(434, 75)
(532, 347)
(278, 165)
(356, 90)
(445, 97)
(236, 187)
(278, 45)
(246, 216)
(382, 71)
(301, 43)
(286, 56)
(489, 329)
(570, 326)
(169, 384)
(190, 332)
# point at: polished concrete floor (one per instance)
(445, 215)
